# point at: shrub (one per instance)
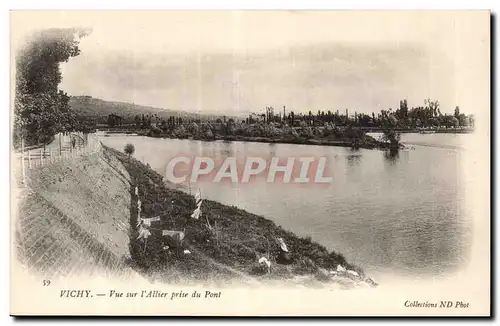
(304, 266)
(129, 149)
(391, 137)
(209, 134)
(294, 133)
(154, 131)
(353, 133)
(179, 132)
(193, 128)
(318, 132)
(305, 130)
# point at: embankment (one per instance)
(225, 243)
(73, 218)
(79, 217)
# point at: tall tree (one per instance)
(40, 108)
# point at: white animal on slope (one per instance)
(353, 273)
(264, 260)
(143, 233)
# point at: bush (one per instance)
(317, 132)
(180, 132)
(129, 149)
(154, 131)
(194, 128)
(208, 135)
(392, 137)
(353, 133)
(304, 266)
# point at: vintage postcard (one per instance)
(250, 163)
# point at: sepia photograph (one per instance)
(250, 163)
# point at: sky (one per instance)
(236, 62)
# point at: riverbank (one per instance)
(79, 217)
(225, 243)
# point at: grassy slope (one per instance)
(90, 106)
(243, 238)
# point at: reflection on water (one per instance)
(354, 158)
(226, 149)
(397, 210)
(391, 155)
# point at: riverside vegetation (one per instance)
(327, 129)
(225, 243)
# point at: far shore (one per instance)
(367, 142)
(363, 140)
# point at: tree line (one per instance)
(41, 109)
(427, 116)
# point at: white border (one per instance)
(188, 4)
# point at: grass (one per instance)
(229, 251)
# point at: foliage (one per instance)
(388, 123)
(209, 134)
(305, 130)
(180, 132)
(40, 108)
(129, 149)
(392, 137)
(194, 128)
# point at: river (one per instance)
(402, 214)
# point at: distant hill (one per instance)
(89, 106)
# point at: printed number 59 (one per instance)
(46, 282)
